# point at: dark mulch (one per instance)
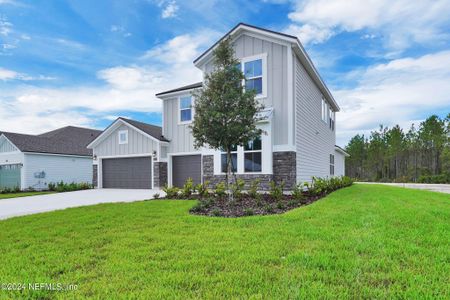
(248, 206)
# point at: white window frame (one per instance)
(252, 151)
(126, 137)
(179, 109)
(324, 111)
(237, 159)
(263, 58)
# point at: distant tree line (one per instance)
(421, 154)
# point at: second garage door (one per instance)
(127, 173)
(184, 167)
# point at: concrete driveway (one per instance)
(442, 188)
(42, 203)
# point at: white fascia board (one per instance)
(177, 93)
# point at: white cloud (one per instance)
(400, 22)
(397, 92)
(126, 88)
(6, 74)
(170, 10)
(5, 27)
(120, 29)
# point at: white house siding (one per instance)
(277, 90)
(57, 168)
(179, 135)
(6, 146)
(314, 139)
(339, 164)
(137, 144)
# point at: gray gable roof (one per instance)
(67, 141)
(153, 130)
(183, 88)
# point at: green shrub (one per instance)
(171, 192)
(268, 208)
(297, 191)
(156, 196)
(253, 190)
(276, 191)
(220, 189)
(202, 188)
(216, 212)
(248, 212)
(69, 187)
(188, 188)
(442, 178)
(236, 188)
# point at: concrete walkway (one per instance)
(41, 203)
(442, 188)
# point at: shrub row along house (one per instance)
(299, 122)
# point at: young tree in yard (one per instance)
(225, 113)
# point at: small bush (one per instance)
(268, 208)
(442, 178)
(171, 192)
(297, 192)
(52, 186)
(248, 212)
(202, 189)
(61, 186)
(236, 188)
(276, 191)
(156, 196)
(188, 188)
(220, 190)
(216, 212)
(280, 205)
(253, 190)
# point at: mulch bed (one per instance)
(247, 206)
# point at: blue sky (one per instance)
(86, 62)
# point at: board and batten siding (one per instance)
(314, 139)
(179, 135)
(137, 144)
(6, 146)
(56, 168)
(277, 91)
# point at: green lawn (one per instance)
(22, 194)
(360, 242)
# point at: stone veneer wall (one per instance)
(159, 174)
(95, 175)
(284, 169)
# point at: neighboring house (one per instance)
(300, 117)
(130, 154)
(34, 161)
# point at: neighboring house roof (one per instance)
(183, 88)
(297, 47)
(66, 141)
(151, 131)
(341, 150)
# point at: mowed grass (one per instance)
(359, 242)
(22, 194)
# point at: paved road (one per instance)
(42, 203)
(443, 188)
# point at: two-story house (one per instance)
(299, 124)
(299, 119)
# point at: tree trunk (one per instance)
(228, 176)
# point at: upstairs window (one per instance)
(331, 114)
(254, 76)
(123, 137)
(253, 156)
(324, 110)
(233, 160)
(185, 109)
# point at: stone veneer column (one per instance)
(285, 168)
(95, 175)
(159, 174)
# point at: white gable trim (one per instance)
(113, 127)
(9, 141)
(283, 40)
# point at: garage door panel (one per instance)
(127, 173)
(184, 167)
